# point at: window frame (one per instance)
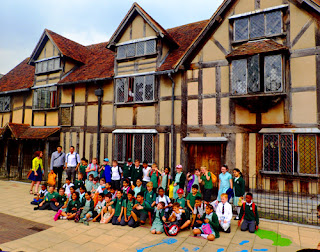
(39, 65)
(53, 90)
(136, 55)
(3, 100)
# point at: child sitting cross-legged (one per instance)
(127, 205)
(178, 216)
(118, 209)
(98, 207)
(140, 210)
(249, 215)
(210, 225)
(50, 196)
(224, 213)
(72, 208)
(107, 211)
(61, 200)
(82, 192)
(40, 195)
(67, 186)
(87, 209)
(159, 219)
(89, 183)
(197, 213)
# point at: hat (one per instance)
(106, 159)
(179, 166)
(180, 191)
(129, 160)
(103, 186)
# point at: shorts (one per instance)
(142, 215)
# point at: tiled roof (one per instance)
(20, 77)
(68, 47)
(252, 48)
(24, 131)
(184, 35)
(99, 65)
(316, 2)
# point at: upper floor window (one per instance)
(258, 73)
(45, 98)
(258, 25)
(5, 103)
(135, 89)
(136, 49)
(48, 65)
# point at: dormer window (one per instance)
(48, 65)
(136, 48)
(257, 25)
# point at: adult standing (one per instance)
(57, 163)
(37, 171)
(72, 163)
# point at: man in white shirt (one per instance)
(224, 213)
(72, 163)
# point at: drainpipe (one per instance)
(172, 124)
(99, 93)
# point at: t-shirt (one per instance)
(81, 196)
(178, 215)
(154, 178)
(164, 182)
(138, 189)
(73, 204)
(117, 204)
(78, 183)
(200, 210)
(43, 193)
(145, 172)
(225, 180)
(146, 207)
(50, 196)
(150, 197)
(165, 199)
(181, 201)
(67, 188)
(82, 169)
(115, 173)
(99, 206)
(192, 198)
(207, 183)
(62, 199)
(88, 185)
(129, 205)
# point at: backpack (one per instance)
(76, 155)
(171, 229)
(158, 178)
(213, 178)
(244, 210)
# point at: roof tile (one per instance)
(24, 131)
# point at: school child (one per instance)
(50, 196)
(127, 205)
(82, 192)
(136, 172)
(180, 199)
(89, 183)
(165, 180)
(40, 195)
(166, 200)
(191, 198)
(93, 168)
(198, 211)
(95, 186)
(193, 179)
(209, 217)
(72, 190)
(225, 181)
(249, 214)
(206, 177)
(118, 209)
(238, 189)
(106, 189)
(105, 170)
(87, 209)
(126, 187)
(107, 211)
(102, 184)
(178, 216)
(149, 195)
(155, 177)
(72, 208)
(159, 219)
(224, 213)
(127, 169)
(116, 175)
(138, 188)
(140, 210)
(179, 180)
(145, 172)
(83, 167)
(61, 200)
(98, 207)
(113, 192)
(67, 186)
(79, 182)
(52, 178)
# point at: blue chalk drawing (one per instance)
(245, 250)
(185, 249)
(220, 250)
(195, 249)
(260, 249)
(168, 241)
(243, 242)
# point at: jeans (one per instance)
(58, 171)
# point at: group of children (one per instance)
(133, 194)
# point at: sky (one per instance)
(84, 21)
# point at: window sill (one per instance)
(151, 55)
(264, 94)
(44, 109)
(236, 43)
(289, 175)
(148, 103)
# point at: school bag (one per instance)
(244, 210)
(171, 229)
(206, 228)
(158, 178)
(213, 178)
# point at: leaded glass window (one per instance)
(47, 65)
(139, 88)
(257, 26)
(150, 46)
(149, 88)
(5, 104)
(138, 146)
(140, 48)
(121, 52)
(253, 74)
(271, 152)
(131, 50)
(241, 29)
(119, 143)
(273, 23)
(286, 153)
(120, 89)
(307, 154)
(45, 98)
(239, 76)
(273, 73)
(136, 49)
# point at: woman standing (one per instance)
(179, 180)
(37, 171)
(225, 181)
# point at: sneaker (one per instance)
(228, 230)
(63, 217)
(81, 221)
(136, 224)
(237, 218)
(36, 208)
(56, 217)
(86, 223)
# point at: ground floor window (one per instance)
(290, 153)
(135, 146)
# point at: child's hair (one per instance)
(96, 179)
(103, 179)
(145, 162)
(131, 192)
(127, 181)
(238, 170)
(84, 159)
(76, 193)
(137, 160)
(109, 183)
(176, 204)
(91, 176)
(154, 165)
(224, 195)
(140, 194)
(83, 188)
(101, 194)
(68, 178)
(225, 166)
(160, 188)
(44, 185)
(80, 174)
(72, 187)
(198, 198)
(115, 161)
(95, 159)
(167, 168)
(203, 167)
(150, 184)
(209, 206)
(89, 193)
(250, 194)
(61, 188)
(195, 186)
(108, 195)
(52, 186)
(162, 204)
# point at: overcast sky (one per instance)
(84, 21)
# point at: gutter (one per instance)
(15, 91)
(84, 81)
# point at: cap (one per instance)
(179, 166)
(129, 160)
(180, 191)
(106, 159)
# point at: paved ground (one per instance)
(70, 236)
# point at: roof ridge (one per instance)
(197, 22)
